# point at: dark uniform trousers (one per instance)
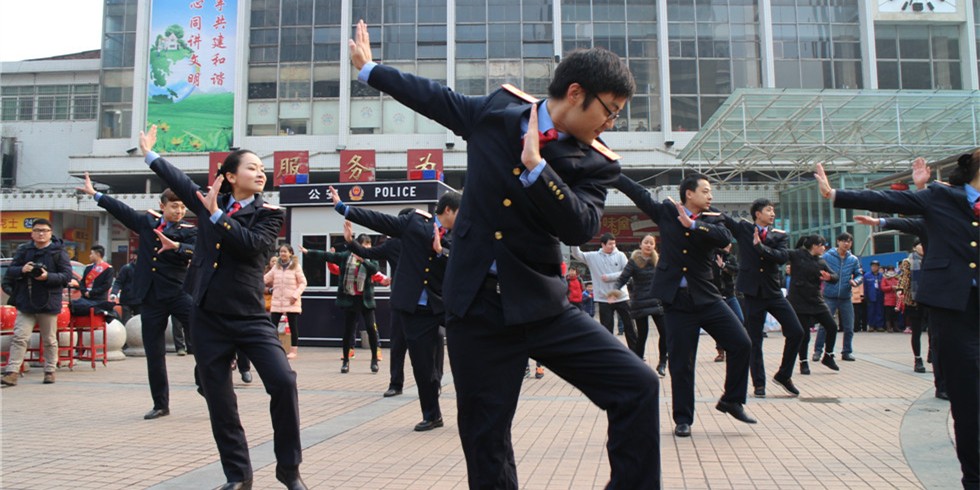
(608, 320)
(216, 338)
(824, 319)
(421, 330)
(488, 359)
(398, 346)
(958, 339)
(155, 311)
(755, 319)
(684, 321)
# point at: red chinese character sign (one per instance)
(292, 167)
(425, 165)
(191, 67)
(357, 166)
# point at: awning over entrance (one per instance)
(850, 130)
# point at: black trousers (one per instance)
(861, 316)
(608, 320)
(829, 325)
(684, 321)
(216, 338)
(958, 349)
(422, 337)
(293, 319)
(398, 348)
(916, 315)
(154, 314)
(755, 321)
(182, 336)
(488, 359)
(350, 327)
(643, 331)
(938, 376)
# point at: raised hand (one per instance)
(88, 188)
(360, 46)
(824, 276)
(148, 139)
(920, 173)
(531, 156)
(334, 196)
(682, 216)
(821, 176)
(756, 239)
(436, 239)
(303, 249)
(348, 231)
(211, 200)
(866, 220)
(166, 243)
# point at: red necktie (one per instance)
(694, 217)
(163, 224)
(545, 137)
(235, 207)
(762, 235)
(442, 232)
(976, 209)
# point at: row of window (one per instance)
(49, 102)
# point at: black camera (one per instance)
(38, 270)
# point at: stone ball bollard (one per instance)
(134, 337)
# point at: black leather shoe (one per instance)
(247, 377)
(942, 395)
(392, 392)
(200, 391)
(157, 413)
(345, 367)
(786, 384)
(736, 410)
(236, 485)
(428, 425)
(289, 476)
(662, 369)
(828, 360)
(759, 392)
(682, 430)
(374, 366)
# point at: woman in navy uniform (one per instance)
(506, 298)
(236, 233)
(948, 285)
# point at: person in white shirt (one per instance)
(605, 265)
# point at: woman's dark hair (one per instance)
(288, 247)
(808, 241)
(230, 165)
(690, 183)
(363, 239)
(966, 168)
(597, 70)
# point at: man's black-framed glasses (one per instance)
(612, 115)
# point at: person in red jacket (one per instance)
(575, 288)
(889, 283)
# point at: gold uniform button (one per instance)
(973, 265)
(684, 269)
(761, 269)
(976, 224)
(973, 244)
(684, 251)
(498, 235)
(687, 233)
(425, 281)
(517, 171)
(426, 269)
(154, 259)
(507, 203)
(154, 269)
(561, 198)
(215, 265)
(430, 259)
(217, 246)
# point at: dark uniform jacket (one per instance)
(804, 290)
(389, 250)
(759, 273)
(953, 262)
(164, 271)
(725, 275)
(419, 267)
(345, 300)
(910, 226)
(500, 221)
(123, 285)
(101, 284)
(31, 296)
(683, 252)
(226, 273)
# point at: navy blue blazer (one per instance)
(949, 272)
(759, 273)
(910, 226)
(226, 273)
(101, 284)
(165, 271)
(390, 250)
(683, 252)
(500, 221)
(419, 267)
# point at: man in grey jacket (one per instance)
(605, 265)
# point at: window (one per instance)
(918, 57)
(85, 102)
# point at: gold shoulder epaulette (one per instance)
(155, 213)
(424, 214)
(710, 213)
(519, 93)
(947, 184)
(604, 151)
(187, 225)
(269, 206)
(777, 230)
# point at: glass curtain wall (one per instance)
(816, 44)
(629, 29)
(918, 57)
(714, 49)
(118, 58)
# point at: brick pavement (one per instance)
(875, 424)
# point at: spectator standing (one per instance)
(605, 266)
(889, 285)
(641, 270)
(287, 282)
(575, 288)
(838, 295)
(122, 293)
(588, 302)
(40, 270)
(875, 298)
(860, 305)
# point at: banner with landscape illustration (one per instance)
(190, 92)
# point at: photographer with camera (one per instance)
(40, 271)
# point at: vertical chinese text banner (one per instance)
(190, 91)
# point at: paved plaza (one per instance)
(875, 424)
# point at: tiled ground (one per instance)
(872, 425)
